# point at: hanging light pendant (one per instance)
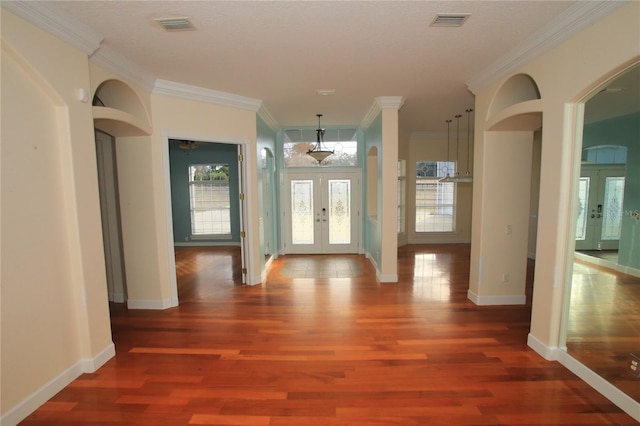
(187, 145)
(468, 177)
(456, 178)
(447, 177)
(319, 153)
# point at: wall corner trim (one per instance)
(46, 392)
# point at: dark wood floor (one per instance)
(327, 351)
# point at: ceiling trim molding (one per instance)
(390, 102)
(370, 116)
(200, 94)
(112, 61)
(577, 17)
(48, 18)
(266, 116)
(380, 103)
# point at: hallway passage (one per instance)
(328, 351)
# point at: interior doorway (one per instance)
(110, 216)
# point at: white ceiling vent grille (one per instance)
(450, 19)
(176, 24)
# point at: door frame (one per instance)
(324, 173)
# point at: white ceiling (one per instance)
(280, 52)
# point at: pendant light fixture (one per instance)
(456, 178)
(468, 177)
(319, 152)
(187, 145)
(447, 177)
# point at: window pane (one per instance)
(339, 211)
(435, 200)
(302, 212)
(296, 143)
(209, 199)
(612, 214)
(583, 194)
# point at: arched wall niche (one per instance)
(118, 111)
(517, 89)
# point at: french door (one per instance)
(320, 212)
(600, 197)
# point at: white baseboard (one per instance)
(154, 304)
(207, 244)
(613, 394)
(516, 299)
(607, 264)
(433, 239)
(46, 392)
(386, 278)
(550, 353)
(116, 297)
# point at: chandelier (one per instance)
(319, 152)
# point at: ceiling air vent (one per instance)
(175, 24)
(450, 19)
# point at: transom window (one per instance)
(298, 141)
(210, 200)
(435, 200)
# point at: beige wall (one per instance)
(433, 147)
(564, 76)
(174, 117)
(55, 319)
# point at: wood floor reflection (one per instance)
(604, 323)
(327, 351)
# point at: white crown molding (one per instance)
(48, 18)
(108, 59)
(390, 102)
(380, 103)
(577, 17)
(370, 116)
(200, 94)
(266, 116)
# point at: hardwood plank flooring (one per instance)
(327, 351)
(604, 323)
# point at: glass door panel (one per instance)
(612, 214)
(320, 213)
(302, 231)
(600, 197)
(583, 201)
(339, 211)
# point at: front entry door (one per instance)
(600, 195)
(320, 212)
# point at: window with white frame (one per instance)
(435, 199)
(209, 199)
